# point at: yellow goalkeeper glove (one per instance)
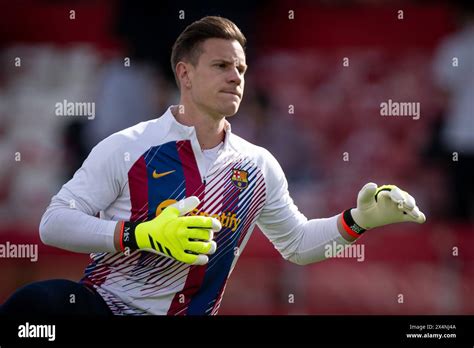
(185, 238)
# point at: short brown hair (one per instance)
(187, 45)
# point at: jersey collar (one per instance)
(189, 131)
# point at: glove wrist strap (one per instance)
(350, 225)
(127, 236)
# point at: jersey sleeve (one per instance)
(298, 239)
(70, 220)
(98, 182)
(280, 219)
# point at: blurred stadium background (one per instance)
(295, 62)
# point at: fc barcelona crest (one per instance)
(240, 178)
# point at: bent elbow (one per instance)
(45, 231)
(296, 259)
(303, 259)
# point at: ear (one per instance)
(184, 73)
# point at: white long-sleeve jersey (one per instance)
(133, 174)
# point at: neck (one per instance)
(209, 130)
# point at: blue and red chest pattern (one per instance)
(234, 192)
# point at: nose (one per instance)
(235, 77)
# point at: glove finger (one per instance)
(201, 247)
(404, 200)
(213, 248)
(199, 234)
(191, 259)
(410, 202)
(202, 222)
(412, 209)
(414, 212)
(200, 260)
(170, 211)
(216, 225)
(422, 218)
(366, 194)
(396, 195)
(384, 196)
(407, 204)
(186, 205)
(197, 221)
(415, 215)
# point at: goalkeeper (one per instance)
(177, 196)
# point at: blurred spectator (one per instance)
(454, 66)
(150, 29)
(126, 96)
(32, 148)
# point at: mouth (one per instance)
(233, 93)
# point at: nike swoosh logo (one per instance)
(159, 175)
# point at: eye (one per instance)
(221, 65)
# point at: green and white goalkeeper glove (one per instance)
(184, 238)
(379, 206)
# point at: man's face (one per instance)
(217, 80)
